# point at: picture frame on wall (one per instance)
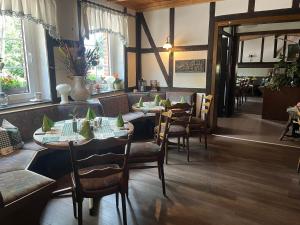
(190, 66)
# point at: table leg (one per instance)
(286, 130)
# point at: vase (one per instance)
(79, 91)
(118, 86)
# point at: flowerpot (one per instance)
(79, 91)
(14, 91)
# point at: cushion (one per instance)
(133, 116)
(18, 160)
(92, 184)
(13, 133)
(31, 145)
(5, 145)
(143, 150)
(176, 96)
(17, 184)
(114, 105)
(174, 129)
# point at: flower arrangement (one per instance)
(118, 82)
(77, 59)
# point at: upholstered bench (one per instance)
(24, 193)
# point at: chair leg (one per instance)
(200, 138)
(178, 144)
(298, 168)
(74, 204)
(80, 212)
(159, 171)
(188, 148)
(124, 209)
(166, 150)
(163, 178)
(117, 199)
(183, 142)
(205, 140)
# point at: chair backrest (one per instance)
(163, 118)
(89, 155)
(205, 107)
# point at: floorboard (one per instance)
(232, 183)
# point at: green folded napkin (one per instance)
(165, 103)
(141, 103)
(86, 130)
(90, 115)
(120, 121)
(157, 100)
(182, 99)
(47, 124)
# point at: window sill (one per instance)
(23, 105)
(105, 93)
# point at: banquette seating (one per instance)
(24, 192)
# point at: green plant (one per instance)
(77, 59)
(10, 82)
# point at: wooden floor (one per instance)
(231, 183)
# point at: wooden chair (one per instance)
(179, 119)
(143, 153)
(199, 124)
(96, 175)
(298, 167)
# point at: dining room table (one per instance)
(62, 133)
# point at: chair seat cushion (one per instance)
(196, 123)
(143, 149)
(93, 184)
(17, 184)
(131, 116)
(31, 145)
(174, 129)
(18, 160)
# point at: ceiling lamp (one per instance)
(167, 45)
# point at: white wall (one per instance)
(261, 5)
(189, 21)
(191, 80)
(231, 7)
(158, 23)
(151, 69)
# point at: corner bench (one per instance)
(23, 192)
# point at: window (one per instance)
(23, 52)
(13, 78)
(111, 62)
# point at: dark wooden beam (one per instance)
(131, 49)
(171, 54)
(249, 16)
(296, 4)
(256, 65)
(138, 28)
(251, 6)
(189, 48)
(275, 46)
(270, 32)
(284, 45)
(262, 49)
(156, 52)
(242, 51)
(50, 43)
(211, 30)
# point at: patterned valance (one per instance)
(98, 19)
(38, 11)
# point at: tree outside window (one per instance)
(13, 79)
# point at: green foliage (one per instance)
(13, 49)
(10, 82)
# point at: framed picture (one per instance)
(190, 66)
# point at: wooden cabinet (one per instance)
(275, 103)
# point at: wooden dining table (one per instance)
(62, 133)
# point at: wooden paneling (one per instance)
(144, 5)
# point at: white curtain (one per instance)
(96, 19)
(38, 11)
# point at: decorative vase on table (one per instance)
(79, 91)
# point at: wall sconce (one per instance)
(167, 45)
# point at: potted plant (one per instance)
(78, 61)
(118, 82)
